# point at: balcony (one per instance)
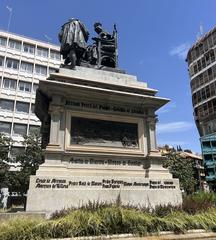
(208, 150)
(209, 137)
(210, 178)
(210, 164)
(209, 144)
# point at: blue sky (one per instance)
(154, 36)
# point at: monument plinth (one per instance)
(99, 136)
(98, 130)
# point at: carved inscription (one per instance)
(51, 183)
(55, 183)
(105, 107)
(105, 162)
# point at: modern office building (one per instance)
(23, 63)
(201, 60)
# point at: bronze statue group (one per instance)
(75, 51)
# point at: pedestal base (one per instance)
(156, 169)
(50, 193)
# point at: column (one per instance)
(152, 134)
(55, 113)
(156, 170)
(54, 128)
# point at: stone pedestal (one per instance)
(102, 143)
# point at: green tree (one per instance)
(183, 169)
(5, 142)
(28, 161)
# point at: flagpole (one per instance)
(9, 20)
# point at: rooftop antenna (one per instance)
(200, 33)
(49, 39)
(10, 14)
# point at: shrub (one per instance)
(107, 219)
(164, 210)
(199, 202)
(18, 228)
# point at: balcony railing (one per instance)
(208, 150)
(211, 178)
(210, 163)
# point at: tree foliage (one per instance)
(5, 142)
(28, 161)
(183, 169)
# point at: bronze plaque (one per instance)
(103, 133)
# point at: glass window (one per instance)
(32, 108)
(41, 70)
(55, 55)
(9, 83)
(26, 67)
(12, 63)
(201, 48)
(203, 63)
(14, 44)
(214, 71)
(207, 92)
(1, 61)
(5, 127)
(212, 89)
(28, 48)
(22, 107)
(203, 94)
(194, 98)
(24, 86)
(193, 53)
(210, 73)
(34, 129)
(197, 52)
(207, 57)
(6, 105)
(199, 65)
(205, 46)
(19, 129)
(42, 52)
(3, 41)
(198, 96)
(214, 37)
(35, 87)
(212, 56)
(210, 41)
(206, 144)
(195, 68)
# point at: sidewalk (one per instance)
(192, 235)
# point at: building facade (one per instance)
(202, 70)
(23, 63)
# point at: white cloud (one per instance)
(173, 127)
(167, 108)
(180, 50)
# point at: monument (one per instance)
(98, 131)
